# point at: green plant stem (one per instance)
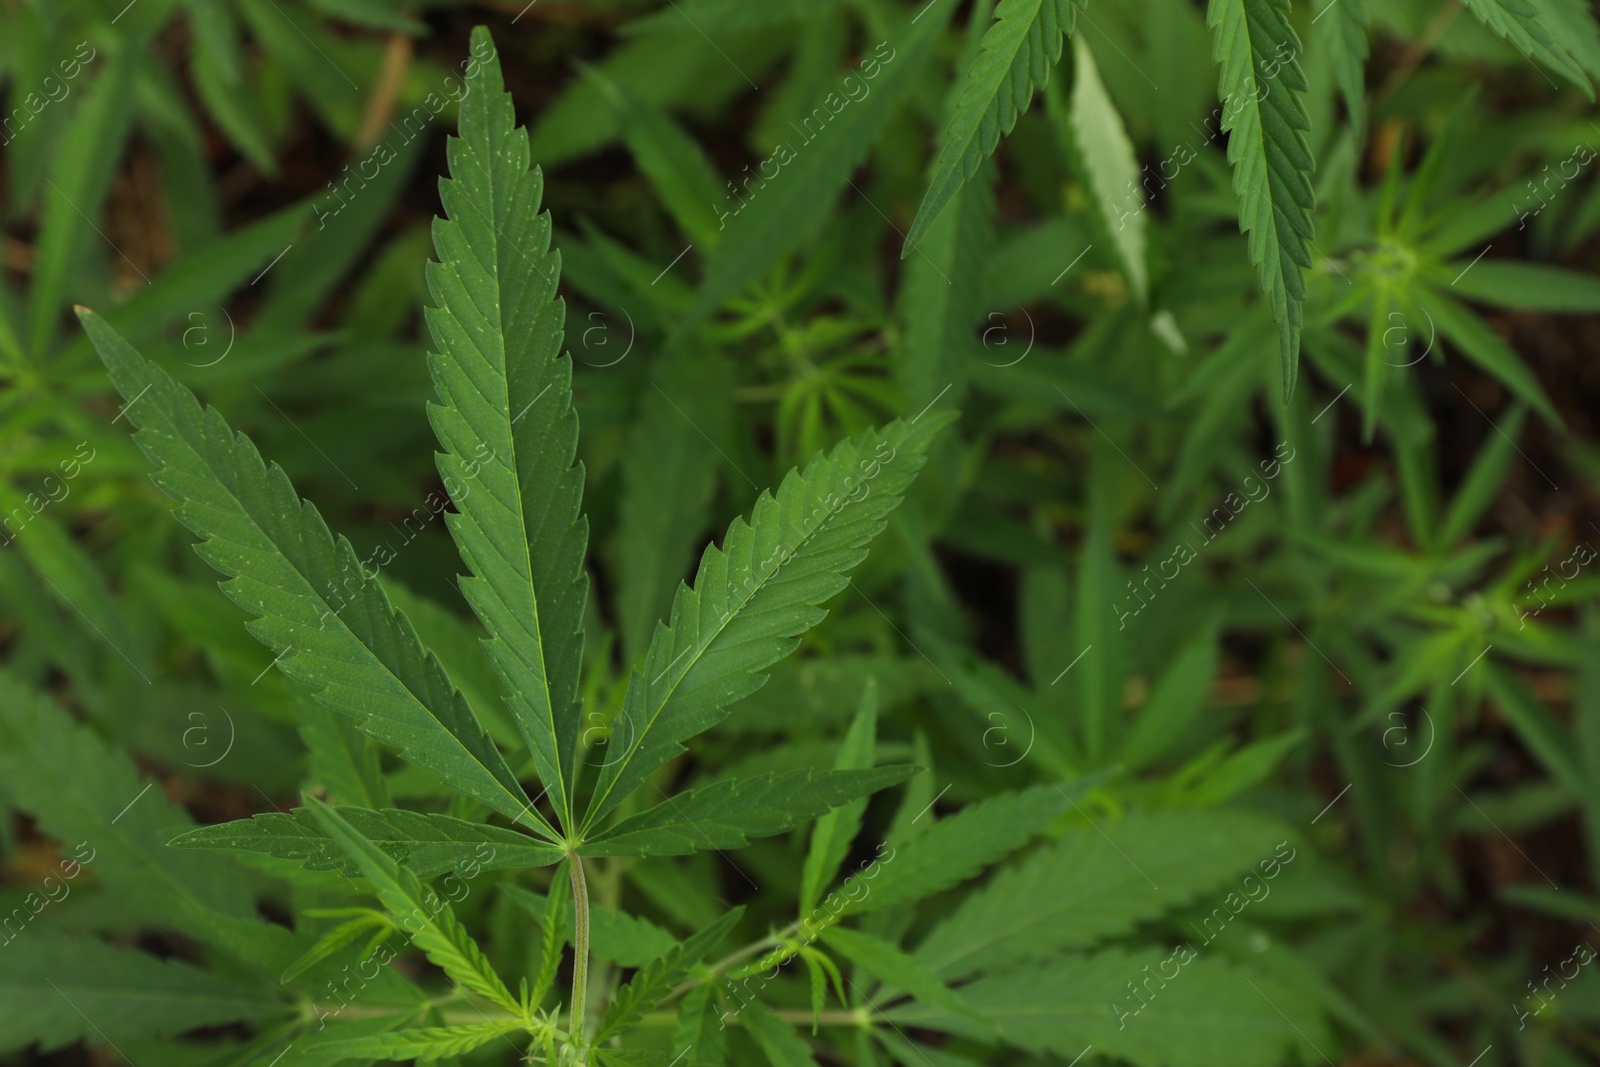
(580, 945)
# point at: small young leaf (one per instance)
(898, 969)
(656, 980)
(420, 913)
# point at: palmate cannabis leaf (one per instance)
(332, 627)
(428, 844)
(755, 595)
(507, 426)
(1018, 52)
(1266, 123)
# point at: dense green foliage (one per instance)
(1027, 532)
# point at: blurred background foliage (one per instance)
(1379, 628)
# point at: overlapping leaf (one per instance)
(1017, 55)
(1519, 23)
(1266, 122)
(755, 595)
(331, 627)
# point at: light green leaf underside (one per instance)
(1209, 1012)
(1106, 157)
(1094, 883)
(332, 630)
(51, 987)
(419, 914)
(1519, 23)
(656, 980)
(507, 426)
(1261, 86)
(1017, 54)
(755, 595)
(727, 814)
(426, 844)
